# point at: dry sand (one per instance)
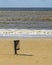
(33, 51)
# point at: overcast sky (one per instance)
(25, 3)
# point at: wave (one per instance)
(25, 33)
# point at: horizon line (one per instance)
(26, 8)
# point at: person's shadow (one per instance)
(25, 54)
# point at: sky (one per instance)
(25, 3)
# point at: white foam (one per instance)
(25, 33)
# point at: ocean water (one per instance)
(25, 19)
(31, 25)
(24, 27)
(27, 9)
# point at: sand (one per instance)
(33, 51)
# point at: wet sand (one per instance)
(33, 51)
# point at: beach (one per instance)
(33, 51)
(34, 31)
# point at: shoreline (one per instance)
(25, 33)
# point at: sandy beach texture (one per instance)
(33, 51)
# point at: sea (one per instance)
(26, 9)
(44, 27)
